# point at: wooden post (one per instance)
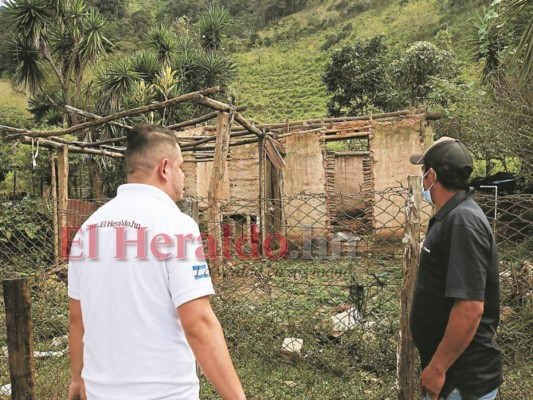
(62, 167)
(19, 338)
(405, 382)
(53, 189)
(262, 200)
(214, 216)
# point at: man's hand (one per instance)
(77, 390)
(432, 381)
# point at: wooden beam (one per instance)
(347, 128)
(195, 121)
(19, 326)
(243, 122)
(273, 154)
(201, 119)
(62, 173)
(55, 221)
(111, 117)
(262, 190)
(51, 144)
(215, 190)
(351, 153)
(90, 115)
(217, 105)
(411, 255)
(362, 135)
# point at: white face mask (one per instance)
(426, 194)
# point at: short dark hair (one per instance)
(450, 178)
(148, 144)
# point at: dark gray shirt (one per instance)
(458, 260)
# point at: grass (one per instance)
(259, 303)
(282, 79)
(9, 97)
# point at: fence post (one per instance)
(55, 222)
(62, 174)
(19, 338)
(405, 382)
(214, 216)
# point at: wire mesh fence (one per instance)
(309, 297)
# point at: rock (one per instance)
(5, 390)
(48, 354)
(60, 340)
(506, 314)
(346, 320)
(292, 347)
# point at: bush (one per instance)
(25, 236)
(359, 6)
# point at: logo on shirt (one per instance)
(426, 249)
(201, 271)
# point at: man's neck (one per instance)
(442, 196)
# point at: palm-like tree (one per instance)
(523, 58)
(212, 26)
(163, 40)
(65, 34)
(484, 41)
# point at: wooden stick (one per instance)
(201, 119)
(243, 122)
(211, 148)
(213, 138)
(320, 121)
(94, 116)
(112, 117)
(73, 149)
(348, 128)
(215, 188)
(351, 153)
(55, 221)
(347, 136)
(19, 325)
(411, 255)
(62, 174)
(217, 105)
(195, 121)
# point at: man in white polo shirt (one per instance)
(139, 289)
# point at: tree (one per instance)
(523, 58)
(418, 66)
(170, 66)
(485, 42)
(66, 35)
(212, 27)
(357, 79)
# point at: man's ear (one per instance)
(162, 168)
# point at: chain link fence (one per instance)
(309, 297)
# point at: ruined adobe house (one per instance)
(318, 184)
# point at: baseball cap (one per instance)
(445, 154)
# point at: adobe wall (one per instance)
(348, 183)
(304, 172)
(391, 145)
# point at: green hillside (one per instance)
(282, 78)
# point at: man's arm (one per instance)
(75, 339)
(462, 325)
(206, 338)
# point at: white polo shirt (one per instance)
(133, 262)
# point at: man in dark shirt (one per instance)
(455, 310)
